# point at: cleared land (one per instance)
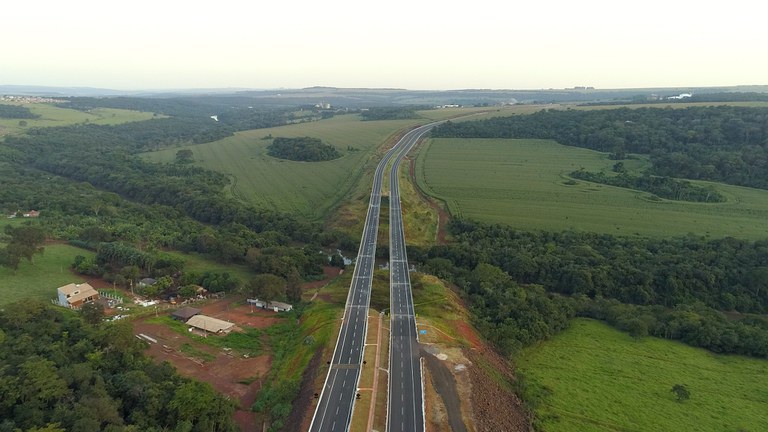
(40, 280)
(600, 379)
(55, 116)
(523, 183)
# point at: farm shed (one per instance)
(185, 313)
(210, 324)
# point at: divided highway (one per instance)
(334, 409)
(405, 409)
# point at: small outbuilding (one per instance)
(184, 314)
(280, 306)
(210, 324)
(273, 305)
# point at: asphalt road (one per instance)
(405, 409)
(334, 409)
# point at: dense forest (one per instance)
(16, 112)
(58, 373)
(663, 281)
(305, 149)
(723, 143)
(662, 187)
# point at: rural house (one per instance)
(75, 295)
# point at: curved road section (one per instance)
(334, 409)
(405, 409)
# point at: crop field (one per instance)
(40, 280)
(595, 378)
(523, 183)
(309, 189)
(54, 116)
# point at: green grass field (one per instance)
(310, 189)
(54, 116)
(40, 280)
(197, 263)
(522, 183)
(600, 379)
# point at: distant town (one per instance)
(29, 99)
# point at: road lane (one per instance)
(405, 409)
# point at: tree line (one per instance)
(719, 143)
(389, 113)
(16, 112)
(673, 288)
(663, 187)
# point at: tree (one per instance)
(267, 287)
(681, 392)
(26, 242)
(184, 156)
(92, 312)
(293, 286)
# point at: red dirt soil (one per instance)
(228, 373)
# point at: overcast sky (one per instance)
(413, 44)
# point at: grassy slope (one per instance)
(310, 189)
(602, 380)
(521, 183)
(40, 280)
(54, 116)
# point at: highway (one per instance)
(405, 408)
(334, 409)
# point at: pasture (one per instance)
(524, 183)
(592, 377)
(54, 116)
(308, 189)
(195, 262)
(40, 279)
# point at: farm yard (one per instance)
(230, 371)
(524, 183)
